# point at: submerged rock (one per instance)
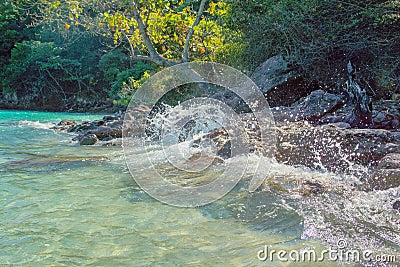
(312, 188)
(88, 140)
(385, 115)
(203, 160)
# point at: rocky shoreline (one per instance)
(326, 143)
(319, 130)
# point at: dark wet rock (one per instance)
(6, 105)
(280, 84)
(330, 148)
(110, 118)
(387, 174)
(106, 132)
(135, 120)
(85, 126)
(342, 125)
(326, 147)
(109, 128)
(333, 148)
(232, 100)
(88, 140)
(379, 117)
(396, 205)
(317, 104)
(220, 139)
(341, 115)
(386, 115)
(390, 161)
(316, 133)
(64, 125)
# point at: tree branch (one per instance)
(153, 54)
(185, 56)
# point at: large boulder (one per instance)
(311, 108)
(280, 84)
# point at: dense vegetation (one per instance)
(55, 52)
(320, 36)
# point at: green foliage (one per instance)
(129, 80)
(39, 71)
(89, 48)
(94, 49)
(121, 77)
(167, 24)
(320, 37)
(120, 83)
(12, 31)
(112, 63)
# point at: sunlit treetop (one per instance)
(164, 32)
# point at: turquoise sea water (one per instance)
(67, 205)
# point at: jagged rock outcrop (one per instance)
(280, 84)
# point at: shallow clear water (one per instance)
(66, 205)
